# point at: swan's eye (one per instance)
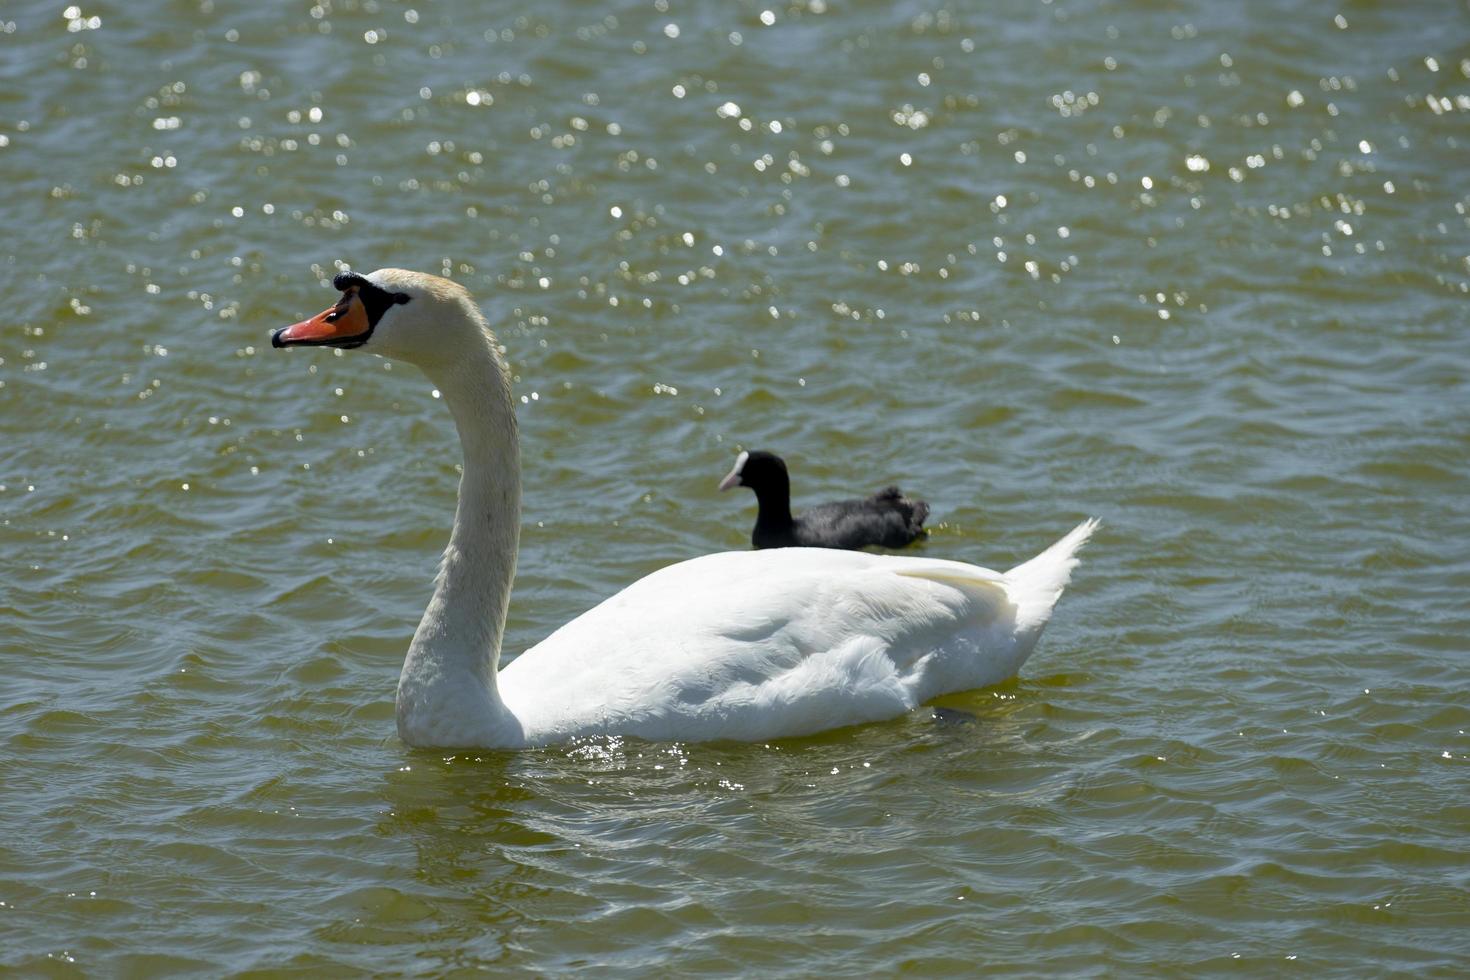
(343, 305)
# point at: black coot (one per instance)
(888, 518)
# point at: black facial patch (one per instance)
(375, 300)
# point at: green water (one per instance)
(1199, 269)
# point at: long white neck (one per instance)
(447, 693)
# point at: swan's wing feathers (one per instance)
(768, 643)
(980, 584)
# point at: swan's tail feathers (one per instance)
(1036, 585)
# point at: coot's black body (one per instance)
(887, 519)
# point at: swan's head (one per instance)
(408, 316)
(757, 470)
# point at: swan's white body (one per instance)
(763, 644)
(740, 645)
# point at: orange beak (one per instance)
(340, 326)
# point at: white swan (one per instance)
(741, 645)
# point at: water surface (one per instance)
(1198, 269)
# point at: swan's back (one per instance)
(766, 644)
